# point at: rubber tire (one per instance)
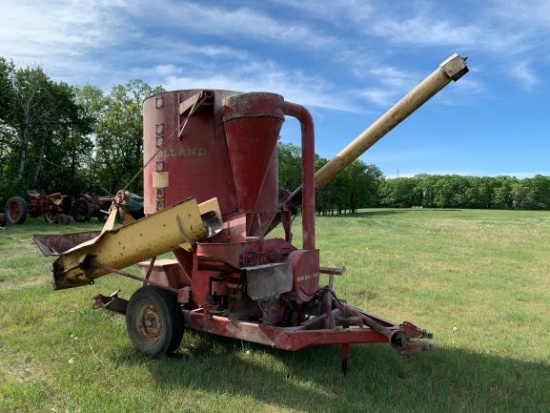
(162, 306)
(51, 217)
(3, 221)
(63, 219)
(18, 204)
(102, 217)
(82, 210)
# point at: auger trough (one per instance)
(211, 198)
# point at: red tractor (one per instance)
(52, 206)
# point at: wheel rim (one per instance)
(149, 323)
(15, 211)
(50, 216)
(79, 211)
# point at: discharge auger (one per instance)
(211, 197)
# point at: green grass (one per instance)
(478, 280)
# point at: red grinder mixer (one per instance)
(211, 198)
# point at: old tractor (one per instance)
(53, 206)
(3, 221)
(85, 207)
(211, 200)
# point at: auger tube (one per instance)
(451, 69)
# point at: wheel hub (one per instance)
(151, 322)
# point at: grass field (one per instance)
(478, 280)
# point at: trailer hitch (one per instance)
(112, 303)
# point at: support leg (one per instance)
(345, 353)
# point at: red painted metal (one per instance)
(294, 338)
(305, 266)
(308, 171)
(238, 282)
(252, 123)
(279, 337)
(187, 150)
(223, 144)
(165, 272)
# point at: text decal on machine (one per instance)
(307, 277)
(181, 152)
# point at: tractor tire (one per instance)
(154, 321)
(102, 217)
(63, 219)
(3, 221)
(51, 217)
(16, 210)
(82, 209)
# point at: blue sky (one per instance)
(346, 61)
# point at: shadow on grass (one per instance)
(369, 213)
(389, 212)
(444, 380)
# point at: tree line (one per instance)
(59, 137)
(355, 187)
(457, 191)
(363, 185)
(74, 139)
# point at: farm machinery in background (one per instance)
(211, 199)
(3, 220)
(56, 208)
(53, 206)
(85, 207)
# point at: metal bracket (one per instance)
(112, 303)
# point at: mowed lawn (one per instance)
(478, 280)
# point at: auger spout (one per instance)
(451, 69)
(84, 257)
